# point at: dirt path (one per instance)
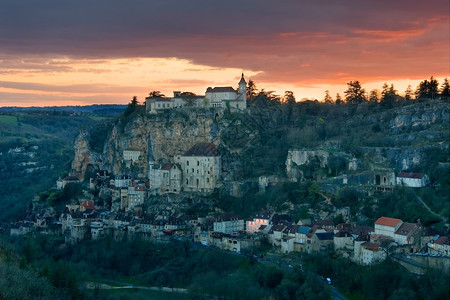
(444, 219)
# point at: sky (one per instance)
(81, 52)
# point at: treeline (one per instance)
(203, 271)
(388, 96)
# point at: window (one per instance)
(187, 181)
(207, 180)
(198, 163)
(187, 163)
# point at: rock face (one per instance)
(413, 117)
(242, 140)
(160, 137)
(84, 158)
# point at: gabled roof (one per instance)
(167, 166)
(202, 149)
(406, 228)
(385, 221)
(410, 175)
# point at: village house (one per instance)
(131, 155)
(322, 241)
(387, 226)
(371, 253)
(412, 179)
(228, 223)
(439, 245)
(121, 180)
(165, 178)
(261, 218)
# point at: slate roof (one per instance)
(303, 230)
(202, 149)
(325, 236)
(406, 228)
(221, 89)
(167, 166)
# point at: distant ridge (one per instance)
(94, 108)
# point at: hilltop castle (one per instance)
(219, 97)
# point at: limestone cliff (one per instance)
(255, 142)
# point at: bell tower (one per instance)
(243, 88)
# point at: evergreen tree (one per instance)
(445, 89)
(327, 98)
(251, 90)
(427, 89)
(373, 96)
(409, 93)
(338, 99)
(388, 95)
(355, 94)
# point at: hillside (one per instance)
(35, 148)
(256, 142)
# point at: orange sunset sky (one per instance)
(106, 51)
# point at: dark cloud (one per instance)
(289, 40)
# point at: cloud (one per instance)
(298, 42)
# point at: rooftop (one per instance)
(385, 221)
(410, 175)
(202, 149)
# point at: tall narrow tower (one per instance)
(243, 88)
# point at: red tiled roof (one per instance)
(385, 221)
(410, 175)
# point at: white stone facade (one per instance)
(219, 97)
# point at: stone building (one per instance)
(165, 178)
(201, 167)
(218, 97)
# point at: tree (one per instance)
(427, 89)
(373, 96)
(445, 89)
(355, 94)
(251, 90)
(155, 94)
(264, 98)
(289, 97)
(388, 95)
(338, 99)
(409, 93)
(327, 98)
(131, 106)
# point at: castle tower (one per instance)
(243, 88)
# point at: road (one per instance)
(114, 284)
